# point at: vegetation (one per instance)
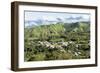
(59, 41)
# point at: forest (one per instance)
(58, 41)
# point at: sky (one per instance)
(52, 16)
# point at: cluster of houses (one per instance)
(53, 45)
(57, 45)
(61, 46)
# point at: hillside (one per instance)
(57, 41)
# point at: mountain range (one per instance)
(37, 22)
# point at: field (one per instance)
(57, 41)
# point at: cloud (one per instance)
(39, 18)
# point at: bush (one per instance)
(37, 57)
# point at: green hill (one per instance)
(57, 41)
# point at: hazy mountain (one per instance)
(37, 22)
